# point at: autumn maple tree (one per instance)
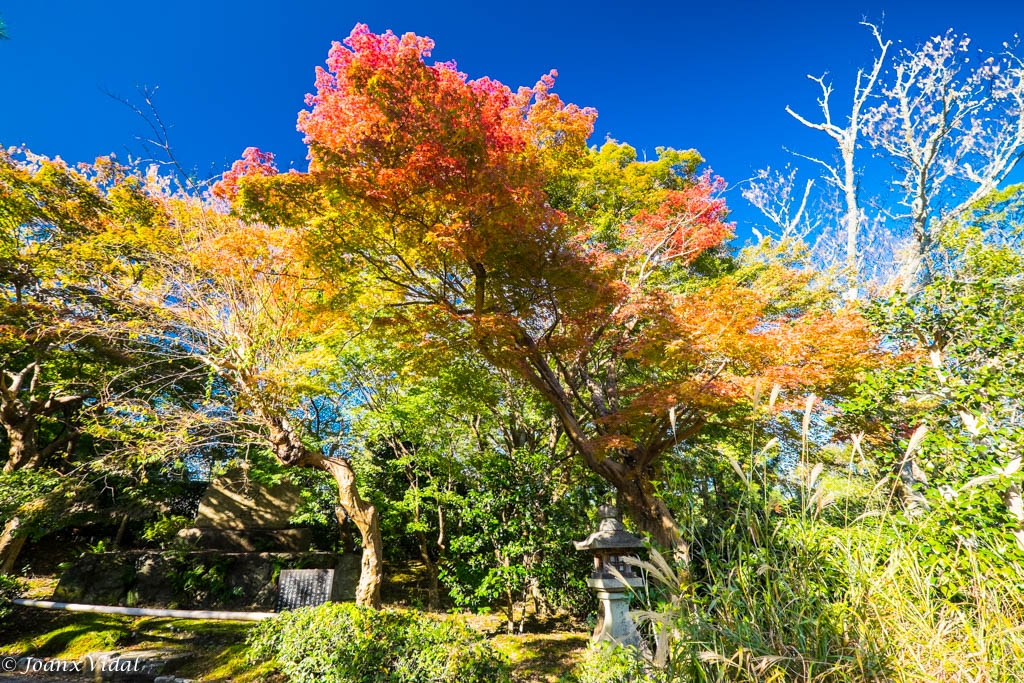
(240, 304)
(54, 368)
(468, 212)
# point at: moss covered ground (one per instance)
(542, 654)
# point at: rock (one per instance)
(234, 501)
(247, 540)
(92, 578)
(150, 583)
(135, 666)
(346, 577)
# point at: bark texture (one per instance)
(10, 545)
(291, 451)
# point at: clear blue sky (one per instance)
(233, 73)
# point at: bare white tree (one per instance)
(950, 124)
(843, 174)
(954, 131)
(774, 193)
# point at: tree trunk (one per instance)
(852, 217)
(916, 272)
(364, 515)
(290, 450)
(22, 455)
(540, 604)
(650, 514)
(433, 585)
(1015, 506)
(912, 479)
(348, 543)
(10, 545)
(19, 417)
(21, 438)
(635, 492)
(121, 529)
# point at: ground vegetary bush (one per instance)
(9, 589)
(343, 643)
(603, 663)
(164, 531)
(838, 613)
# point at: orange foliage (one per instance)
(445, 201)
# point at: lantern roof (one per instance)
(610, 534)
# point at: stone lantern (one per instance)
(608, 545)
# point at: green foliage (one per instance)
(819, 603)
(342, 643)
(775, 610)
(19, 489)
(206, 580)
(10, 588)
(479, 483)
(606, 663)
(519, 523)
(100, 546)
(612, 184)
(958, 371)
(318, 508)
(803, 593)
(42, 500)
(164, 529)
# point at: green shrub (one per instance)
(604, 663)
(810, 602)
(164, 530)
(10, 588)
(343, 643)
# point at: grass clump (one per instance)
(830, 612)
(606, 663)
(10, 588)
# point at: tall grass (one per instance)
(832, 612)
(819, 594)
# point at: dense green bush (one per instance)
(603, 663)
(164, 530)
(10, 588)
(343, 643)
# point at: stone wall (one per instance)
(194, 580)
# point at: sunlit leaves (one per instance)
(471, 216)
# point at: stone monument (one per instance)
(237, 514)
(304, 588)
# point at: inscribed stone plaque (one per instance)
(303, 588)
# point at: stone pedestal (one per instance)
(157, 578)
(230, 559)
(613, 620)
